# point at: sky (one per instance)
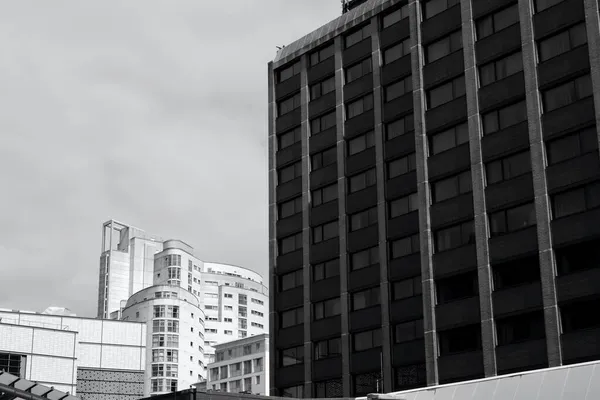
(153, 113)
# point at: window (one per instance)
(512, 219)
(394, 17)
(323, 158)
(322, 88)
(396, 51)
(504, 117)
(363, 219)
(508, 167)
(357, 36)
(443, 47)
(446, 92)
(576, 200)
(497, 21)
(227, 332)
(406, 288)
(408, 331)
(458, 340)
(173, 260)
(520, 328)
(362, 181)
(321, 55)
(331, 388)
(327, 308)
(257, 325)
(326, 269)
(228, 319)
(366, 340)
(290, 280)
(397, 89)
(325, 232)
(292, 317)
(365, 298)
(541, 5)
(399, 127)
(289, 138)
(287, 105)
(324, 195)
(449, 139)
(291, 356)
(457, 287)
(359, 106)
(290, 207)
(366, 383)
(571, 146)
(290, 243)
(162, 325)
(328, 348)
(496, 70)
(322, 123)
(403, 205)
(287, 72)
(562, 42)
(567, 93)
(358, 70)
(296, 392)
(257, 301)
(159, 311)
(577, 316)
(258, 313)
(289, 173)
(361, 143)
(404, 246)
(505, 277)
(401, 166)
(454, 236)
(451, 187)
(434, 7)
(364, 258)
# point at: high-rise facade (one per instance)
(434, 195)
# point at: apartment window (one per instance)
(289, 138)
(399, 127)
(228, 319)
(500, 69)
(327, 308)
(257, 325)
(364, 258)
(434, 7)
(361, 143)
(394, 17)
(296, 392)
(512, 219)
(362, 181)
(292, 317)
(325, 232)
(401, 166)
(323, 158)
(331, 388)
(287, 72)
(454, 236)
(365, 298)
(290, 280)
(408, 331)
(287, 105)
(578, 257)
(441, 48)
(497, 21)
(397, 89)
(359, 70)
(508, 167)
(324, 195)
(326, 269)
(541, 5)
(562, 42)
(357, 36)
(363, 219)
(459, 340)
(290, 243)
(571, 146)
(159, 311)
(567, 93)
(291, 356)
(505, 277)
(457, 287)
(359, 106)
(290, 207)
(289, 173)
(257, 301)
(322, 123)
(404, 246)
(577, 316)
(449, 139)
(328, 348)
(520, 328)
(396, 51)
(451, 187)
(322, 88)
(576, 200)
(173, 260)
(366, 340)
(406, 288)
(321, 55)
(162, 325)
(446, 92)
(403, 205)
(504, 117)
(258, 313)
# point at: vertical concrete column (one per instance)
(478, 177)
(381, 207)
(341, 165)
(431, 347)
(538, 167)
(592, 22)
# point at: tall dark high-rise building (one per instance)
(434, 195)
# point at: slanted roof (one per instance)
(14, 388)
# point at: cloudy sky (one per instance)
(148, 112)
